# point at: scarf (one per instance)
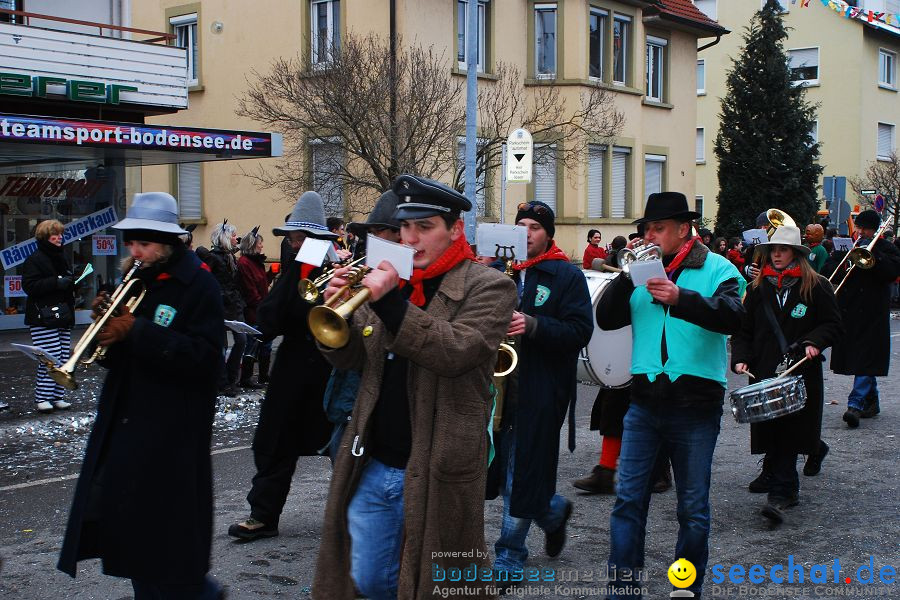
(452, 256)
(552, 253)
(777, 278)
(680, 256)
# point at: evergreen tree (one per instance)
(767, 156)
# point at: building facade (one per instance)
(848, 65)
(643, 51)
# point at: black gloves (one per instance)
(64, 283)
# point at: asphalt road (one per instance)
(849, 512)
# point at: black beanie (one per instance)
(868, 219)
(544, 217)
(151, 235)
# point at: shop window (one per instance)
(545, 174)
(804, 66)
(325, 35)
(545, 41)
(885, 141)
(621, 48)
(597, 37)
(461, 42)
(887, 75)
(654, 166)
(480, 180)
(185, 29)
(190, 191)
(621, 164)
(327, 168)
(656, 68)
(596, 168)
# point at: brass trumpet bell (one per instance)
(862, 258)
(507, 359)
(310, 290)
(328, 322)
(777, 218)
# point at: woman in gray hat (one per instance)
(148, 456)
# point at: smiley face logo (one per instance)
(682, 573)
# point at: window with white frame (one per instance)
(708, 8)
(545, 174)
(814, 132)
(654, 164)
(701, 77)
(621, 161)
(698, 205)
(545, 40)
(462, 22)
(701, 145)
(596, 168)
(190, 191)
(480, 180)
(783, 4)
(597, 38)
(804, 65)
(620, 48)
(185, 29)
(325, 34)
(326, 167)
(885, 141)
(887, 65)
(656, 68)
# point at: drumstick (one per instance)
(797, 364)
(748, 373)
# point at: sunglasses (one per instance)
(535, 208)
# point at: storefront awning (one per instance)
(34, 143)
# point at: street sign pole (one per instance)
(471, 115)
(503, 183)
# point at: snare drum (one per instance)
(606, 359)
(768, 399)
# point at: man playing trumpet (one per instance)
(409, 474)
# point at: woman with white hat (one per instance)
(148, 454)
(791, 313)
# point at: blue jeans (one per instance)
(375, 521)
(209, 589)
(689, 436)
(510, 550)
(864, 386)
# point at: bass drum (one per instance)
(606, 360)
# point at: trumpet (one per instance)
(328, 322)
(129, 293)
(862, 257)
(311, 290)
(641, 251)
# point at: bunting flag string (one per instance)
(852, 12)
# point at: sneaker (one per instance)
(870, 409)
(44, 406)
(814, 461)
(556, 539)
(61, 404)
(775, 507)
(851, 417)
(600, 481)
(252, 529)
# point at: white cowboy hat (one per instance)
(788, 235)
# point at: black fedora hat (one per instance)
(667, 205)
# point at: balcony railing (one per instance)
(157, 36)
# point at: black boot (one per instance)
(263, 377)
(870, 408)
(247, 373)
(775, 507)
(763, 483)
(814, 461)
(851, 417)
(600, 481)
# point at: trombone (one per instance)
(328, 322)
(861, 257)
(129, 293)
(310, 290)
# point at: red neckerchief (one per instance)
(812, 245)
(452, 256)
(768, 271)
(681, 255)
(163, 276)
(305, 270)
(552, 253)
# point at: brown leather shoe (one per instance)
(600, 481)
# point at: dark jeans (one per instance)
(209, 589)
(271, 485)
(689, 435)
(783, 469)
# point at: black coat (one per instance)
(292, 420)
(546, 383)
(817, 322)
(865, 302)
(224, 269)
(144, 499)
(41, 274)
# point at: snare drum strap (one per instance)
(779, 335)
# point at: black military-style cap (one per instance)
(382, 215)
(421, 198)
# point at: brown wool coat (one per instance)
(451, 347)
